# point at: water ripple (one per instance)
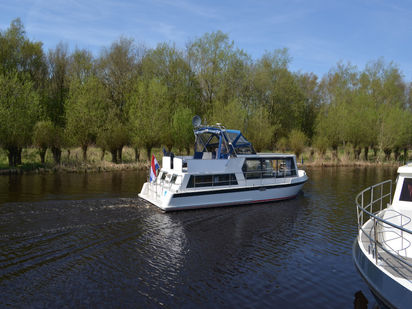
(123, 252)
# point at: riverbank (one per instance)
(71, 162)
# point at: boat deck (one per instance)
(396, 266)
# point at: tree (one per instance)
(308, 84)
(117, 69)
(113, 135)
(58, 84)
(329, 127)
(43, 137)
(81, 66)
(297, 141)
(148, 113)
(182, 130)
(209, 57)
(20, 109)
(259, 130)
(87, 108)
(232, 115)
(19, 55)
(277, 89)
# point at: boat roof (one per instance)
(405, 169)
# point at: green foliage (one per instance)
(182, 130)
(149, 113)
(210, 57)
(259, 130)
(113, 135)
(19, 111)
(321, 143)
(146, 98)
(43, 134)
(232, 115)
(87, 108)
(117, 69)
(58, 84)
(20, 55)
(297, 141)
(282, 144)
(169, 65)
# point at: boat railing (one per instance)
(370, 205)
(158, 186)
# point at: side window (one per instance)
(291, 166)
(268, 170)
(233, 180)
(406, 194)
(212, 180)
(285, 167)
(221, 180)
(173, 180)
(252, 168)
(203, 181)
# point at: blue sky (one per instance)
(318, 34)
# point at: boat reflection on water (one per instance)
(187, 251)
(360, 301)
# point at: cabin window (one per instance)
(406, 193)
(211, 180)
(269, 168)
(252, 168)
(285, 167)
(173, 179)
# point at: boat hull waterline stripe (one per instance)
(228, 204)
(196, 193)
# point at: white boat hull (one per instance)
(227, 196)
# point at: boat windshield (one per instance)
(217, 143)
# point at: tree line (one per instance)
(145, 97)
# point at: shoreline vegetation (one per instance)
(95, 164)
(67, 110)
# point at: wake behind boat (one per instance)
(382, 251)
(224, 170)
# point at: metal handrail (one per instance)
(367, 209)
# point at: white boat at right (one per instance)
(382, 251)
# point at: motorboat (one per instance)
(224, 170)
(382, 250)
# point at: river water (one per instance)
(86, 240)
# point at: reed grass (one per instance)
(73, 162)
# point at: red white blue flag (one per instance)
(154, 166)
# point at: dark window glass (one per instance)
(285, 167)
(211, 180)
(406, 194)
(233, 180)
(203, 181)
(252, 168)
(268, 170)
(173, 180)
(221, 180)
(163, 176)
